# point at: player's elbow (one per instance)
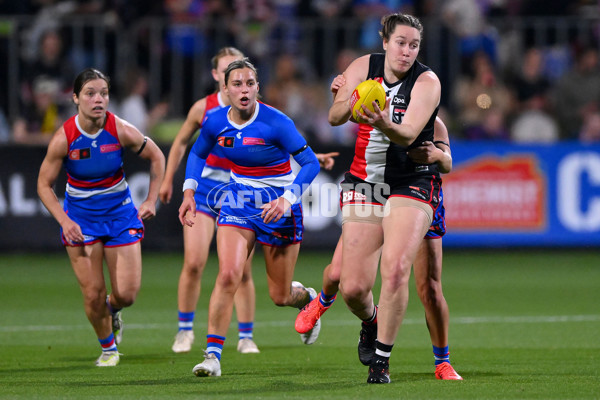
(335, 118)
(334, 121)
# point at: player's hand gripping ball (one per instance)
(365, 93)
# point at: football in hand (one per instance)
(365, 93)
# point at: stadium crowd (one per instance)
(507, 84)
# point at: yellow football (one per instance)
(365, 93)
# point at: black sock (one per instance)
(383, 350)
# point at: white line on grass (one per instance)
(407, 321)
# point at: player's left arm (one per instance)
(144, 147)
(424, 98)
(288, 137)
(437, 151)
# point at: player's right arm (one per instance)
(441, 139)
(437, 151)
(340, 110)
(49, 170)
(193, 171)
(191, 124)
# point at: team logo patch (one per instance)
(135, 231)
(79, 154)
(397, 114)
(280, 235)
(107, 148)
(225, 141)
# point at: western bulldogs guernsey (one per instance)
(97, 196)
(260, 171)
(259, 150)
(217, 165)
(376, 158)
(94, 166)
(217, 168)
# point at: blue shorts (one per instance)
(438, 226)
(245, 214)
(207, 197)
(119, 228)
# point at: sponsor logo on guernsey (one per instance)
(421, 168)
(248, 141)
(231, 219)
(94, 144)
(107, 148)
(398, 100)
(419, 192)
(353, 196)
(239, 135)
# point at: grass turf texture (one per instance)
(524, 325)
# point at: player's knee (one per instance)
(126, 299)
(95, 299)
(246, 277)
(431, 294)
(355, 290)
(194, 268)
(280, 299)
(396, 273)
(228, 278)
(333, 273)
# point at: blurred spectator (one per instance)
(12, 7)
(557, 60)
(185, 39)
(467, 20)
(254, 19)
(533, 123)
(286, 34)
(577, 93)
(534, 126)
(531, 86)
(330, 8)
(41, 119)
(370, 13)
(491, 127)
(131, 11)
(285, 89)
(590, 131)
(346, 133)
(4, 128)
(482, 101)
(51, 63)
(47, 18)
(293, 90)
(133, 108)
(183, 33)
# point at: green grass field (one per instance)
(524, 325)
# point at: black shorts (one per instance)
(424, 188)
